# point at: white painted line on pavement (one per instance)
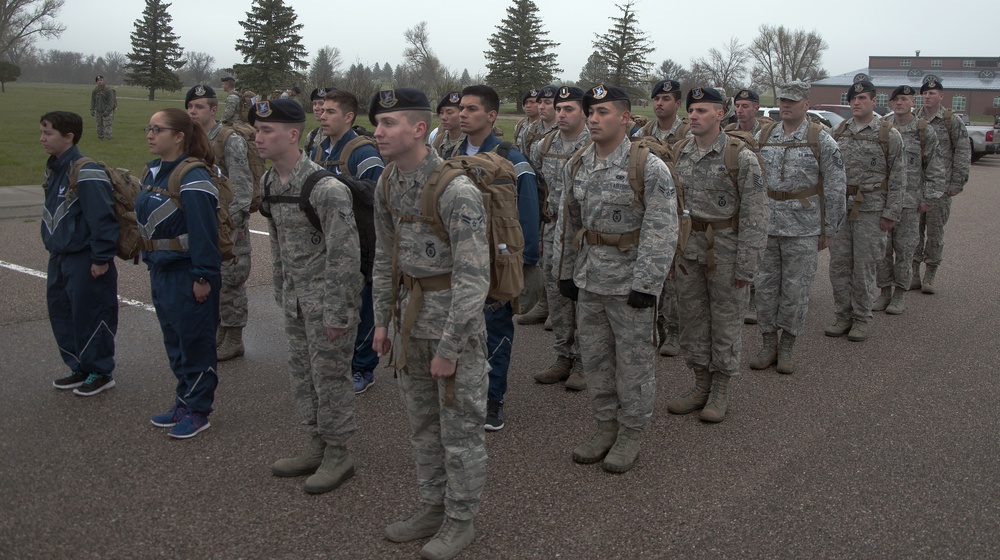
(40, 274)
(260, 232)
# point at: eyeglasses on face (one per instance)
(157, 129)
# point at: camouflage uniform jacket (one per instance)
(550, 168)
(103, 100)
(444, 145)
(795, 168)
(523, 133)
(313, 139)
(452, 316)
(538, 130)
(866, 167)
(925, 178)
(236, 166)
(232, 111)
(602, 201)
(653, 129)
(315, 272)
(710, 196)
(956, 153)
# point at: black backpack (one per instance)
(363, 194)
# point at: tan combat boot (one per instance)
(556, 372)
(718, 404)
(928, 285)
(859, 331)
(599, 444)
(537, 314)
(898, 303)
(785, 363)
(625, 451)
(695, 398)
(768, 354)
(232, 344)
(453, 536)
(915, 281)
(337, 467)
(839, 328)
(576, 381)
(424, 523)
(303, 464)
(882, 301)
(671, 345)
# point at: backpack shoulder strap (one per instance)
(503, 149)
(307, 188)
(839, 131)
(922, 134)
(949, 121)
(74, 170)
(219, 145)
(767, 128)
(174, 182)
(637, 155)
(883, 137)
(444, 173)
(812, 138)
(546, 146)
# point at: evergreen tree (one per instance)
(594, 72)
(466, 79)
(271, 47)
(155, 55)
(624, 49)
(386, 73)
(324, 71)
(520, 56)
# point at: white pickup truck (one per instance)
(983, 139)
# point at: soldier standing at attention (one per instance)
(103, 103)
(317, 282)
(232, 159)
(315, 136)
(442, 293)
(550, 156)
(479, 108)
(925, 185)
(80, 231)
(444, 138)
(876, 180)
(340, 108)
(746, 102)
(231, 113)
(617, 244)
(729, 221)
(806, 194)
(953, 139)
(524, 130)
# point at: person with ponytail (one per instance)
(181, 251)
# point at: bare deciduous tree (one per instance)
(21, 21)
(781, 55)
(726, 68)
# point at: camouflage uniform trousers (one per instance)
(616, 344)
(855, 253)
(104, 121)
(320, 371)
(930, 242)
(562, 310)
(895, 268)
(710, 310)
(666, 314)
(235, 272)
(784, 282)
(449, 444)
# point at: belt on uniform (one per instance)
(623, 241)
(417, 287)
(801, 195)
(709, 229)
(859, 197)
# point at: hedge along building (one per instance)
(971, 84)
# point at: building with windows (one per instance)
(971, 84)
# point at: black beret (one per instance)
(277, 111)
(902, 90)
(932, 84)
(228, 79)
(320, 93)
(603, 94)
(530, 94)
(864, 86)
(451, 99)
(547, 92)
(199, 92)
(666, 86)
(398, 99)
(568, 94)
(704, 95)
(747, 95)
(99, 78)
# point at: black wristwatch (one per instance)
(201, 280)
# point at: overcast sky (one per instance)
(459, 35)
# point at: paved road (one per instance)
(881, 449)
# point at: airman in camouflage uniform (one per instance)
(801, 223)
(925, 183)
(953, 142)
(231, 113)
(316, 136)
(616, 248)
(728, 233)
(560, 145)
(668, 129)
(876, 180)
(317, 282)
(433, 292)
(232, 160)
(448, 136)
(103, 102)
(524, 130)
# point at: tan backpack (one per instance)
(124, 189)
(254, 161)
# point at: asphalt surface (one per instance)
(881, 449)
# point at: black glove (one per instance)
(640, 300)
(568, 289)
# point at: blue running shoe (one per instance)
(363, 380)
(170, 418)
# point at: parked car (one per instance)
(843, 110)
(981, 138)
(775, 113)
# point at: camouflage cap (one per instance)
(706, 95)
(398, 99)
(931, 83)
(864, 86)
(277, 111)
(902, 90)
(199, 91)
(794, 91)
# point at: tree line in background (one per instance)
(520, 56)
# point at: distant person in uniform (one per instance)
(103, 102)
(231, 113)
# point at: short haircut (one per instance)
(296, 90)
(347, 101)
(65, 123)
(622, 105)
(486, 94)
